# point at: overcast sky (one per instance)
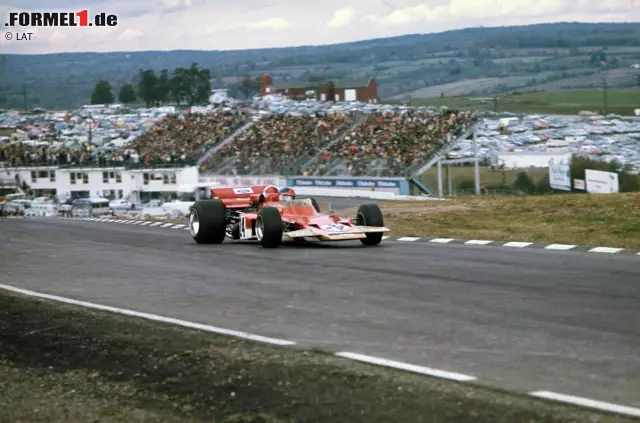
(241, 24)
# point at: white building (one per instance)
(218, 96)
(138, 185)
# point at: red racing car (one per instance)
(269, 215)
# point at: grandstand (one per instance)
(341, 145)
(236, 142)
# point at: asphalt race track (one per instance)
(523, 320)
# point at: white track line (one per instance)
(385, 237)
(408, 238)
(586, 402)
(145, 223)
(156, 224)
(154, 317)
(478, 242)
(608, 250)
(517, 244)
(405, 366)
(166, 225)
(442, 240)
(559, 247)
(177, 226)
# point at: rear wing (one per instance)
(239, 197)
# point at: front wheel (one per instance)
(269, 227)
(370, 215)
(207, 221)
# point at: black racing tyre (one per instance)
(370, 215)
(269, 227)
(207, 221)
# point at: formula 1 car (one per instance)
(261, 213)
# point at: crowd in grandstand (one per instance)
(187, 137)
(394, 141)
(173, 140)
(277, 141)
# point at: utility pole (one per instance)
(604, 93)
(476, 166)
(603, 64)
(90, 125)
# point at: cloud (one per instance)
(174, 4)
(129, 34)
(491, 9)
(57, 37)
(272, 23)
(342, 17)
(252, 24)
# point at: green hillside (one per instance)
(620, 101)
(468, 62)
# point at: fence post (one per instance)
(440, 179)
(476, 165)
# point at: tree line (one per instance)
(188, 86)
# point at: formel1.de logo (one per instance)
(60, 19)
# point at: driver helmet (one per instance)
(287, 194)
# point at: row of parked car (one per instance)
(22, 205)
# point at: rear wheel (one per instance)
(370, 215)
(207, 221)
(269, 227)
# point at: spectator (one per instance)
(395, 142)
(276, 141)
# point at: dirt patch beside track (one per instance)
(63, 363)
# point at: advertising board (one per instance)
(559, 175)
(396, 185)
(600, 182)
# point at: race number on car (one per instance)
(334, 228)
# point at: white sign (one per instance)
(578, 184)
(243, 190)
(599, 182)
(559, 175)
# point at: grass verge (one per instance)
(65, 363)
(581, 219)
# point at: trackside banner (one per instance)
(396, 185)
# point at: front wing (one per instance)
(352, 232)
